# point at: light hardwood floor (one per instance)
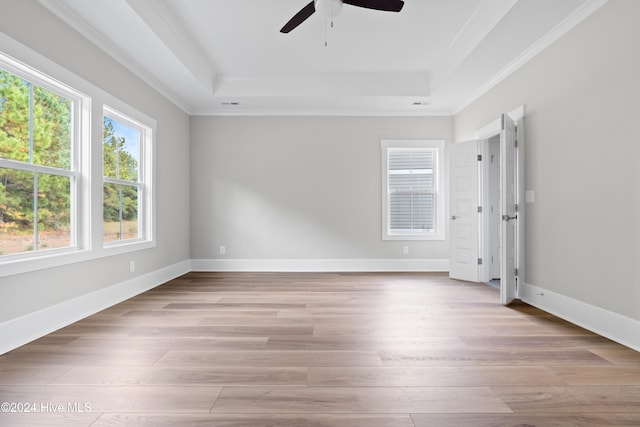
(269, 349)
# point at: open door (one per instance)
(508, 211)
(463, 207)
(472, 192)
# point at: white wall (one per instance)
(297, 187)
(581, 99)
(24, 294)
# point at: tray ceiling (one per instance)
(227, 57)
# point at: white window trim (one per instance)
(438, 146)
(78, 173)
(89, 237)
(146, 213)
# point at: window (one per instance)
(413, 206)
(39, 163)
(125, 147)
(48, 202)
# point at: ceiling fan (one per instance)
(331, 8)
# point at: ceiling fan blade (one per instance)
(385, 5)
(299, 18)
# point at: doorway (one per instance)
(486, 192)
(490, 201)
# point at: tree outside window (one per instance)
(122, 145)
(37, 171)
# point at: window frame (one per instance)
(20, 59)
(145, 176)
(435, 146)
(78, 166)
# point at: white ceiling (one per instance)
(228, 56)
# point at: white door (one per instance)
(463, 207)
(508, 210)
(491, 209)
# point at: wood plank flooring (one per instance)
(318, 349)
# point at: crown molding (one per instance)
(164, 22)
(580, 14)
(79, 25)
(486, 16)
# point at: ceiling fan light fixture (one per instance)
(328, 8)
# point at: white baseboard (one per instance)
(19, 331)
(321, 265)
(616, 327)
(22, 330)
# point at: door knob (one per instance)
(453, 217)
(509, 218)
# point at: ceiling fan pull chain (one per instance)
(326, 24)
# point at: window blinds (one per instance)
(411, 190)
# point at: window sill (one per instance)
(126, 247)
(58, 258)
(426, 237)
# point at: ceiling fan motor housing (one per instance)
(328, 8)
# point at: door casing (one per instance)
(483, 137)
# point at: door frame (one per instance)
(487, 147)
(485, 133)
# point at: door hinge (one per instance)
(502, 122)
(515, 143)
(479, 261)
(516, 272)
(479, 209)
(515, 208)
(479, 157)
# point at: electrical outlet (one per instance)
(223, 250)
(405, 250)
(132, 266)
(529, 196)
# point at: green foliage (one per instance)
(50, 129)
(16, 201)
(35, 127)
(14, 124)
(112, 195)
(119, 163)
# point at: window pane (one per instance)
(16, 212)
(121, 150)
(411, 213)
(404, 160)
(111, 212)
(411, 171)
(120, 212)
(35, 124)
(51, 129)
(109, 144)
(129, 212)
(54, 212)
(14, 117)
(400, 212)
(129, 154)
(411, 181)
